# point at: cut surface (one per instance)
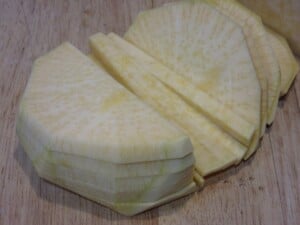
(213, 148)
(241, 17)
(288, 64)
(262, 55)
(202, 44)
(79, 109)
(236, 126)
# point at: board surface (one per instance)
(263, 190)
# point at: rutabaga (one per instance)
(266, 66)
(84, 131)
(199, 42)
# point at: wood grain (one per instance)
(263, 190)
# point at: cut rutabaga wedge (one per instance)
(288, 64)
(202, 44)
(213, 148)
(216, 111)
(265, 62)
(72, 107)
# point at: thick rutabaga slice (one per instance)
(199, 42)
(216, 111)
(261, 52)
(213, 148)
(289, 67)
(73, 107)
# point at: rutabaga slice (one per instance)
(209, 141)
(71, 106)
(215, 110)
(288, 64)
(265, 62)
(202, 44)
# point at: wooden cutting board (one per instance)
(263, 190)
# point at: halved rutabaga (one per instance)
(214, 149)
(202, 44)
(73, 117)
(288, 64)
(216, 111)
(265, 62)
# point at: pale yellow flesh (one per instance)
(166, 34)
(53, 83)
(240, 19)
(213, 148)
(262, 54)
(216, 111)
(288, 64)
(72, 107)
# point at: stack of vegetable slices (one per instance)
(142, 120)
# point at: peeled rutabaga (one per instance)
(207, 47)
(262, 54)
(84, 131)
(282, 16)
